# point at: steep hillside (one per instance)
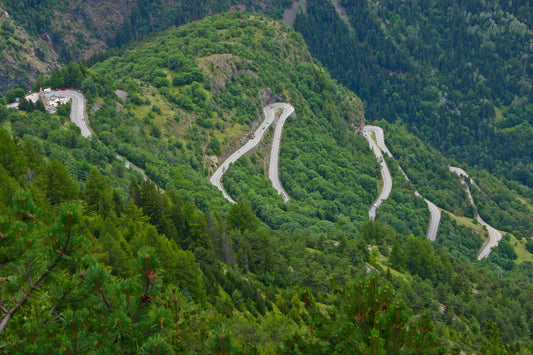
(200, 90)
(458, 76)
(23, 56)
(260, 275)
(77, 30)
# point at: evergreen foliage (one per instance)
(457, 76)
(96, 259)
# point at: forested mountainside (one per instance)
(458, 74)
(97, 259)
(61, 31)
(23, 56)
(190, 98)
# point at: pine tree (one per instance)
(117, 250)
(365, 319)
(98, 195)
(11, 158)
(395, 258)
(31, 256)
(242, 217)
(59, 186)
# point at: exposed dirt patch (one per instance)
(222, 67)
(290, 13)
(341, 11)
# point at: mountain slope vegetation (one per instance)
(24, 57)
(79, 30)
(464, 71)
(458, 75)
(121, 264)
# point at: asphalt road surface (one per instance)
(385, 173)
(273, 170)
(378, 146)
(252, 143)
(380, 138)
(77, 111)
(434, 221)
(77, 115)
(494, 235)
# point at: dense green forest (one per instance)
(458, 74)
(96, 259)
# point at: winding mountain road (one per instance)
(77, 115)
(434, 221)
(494, 235)
(379, 147)
(77, 110)
(129, 165)
(270, 117)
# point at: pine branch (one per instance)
(34, 286)
(105, 300)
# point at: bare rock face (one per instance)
(222, 67)
(290, 13)
(265, 95)
(23, 58)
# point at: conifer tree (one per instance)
(31, 256)
(241, 217)
(98, 195)
(59, 186)
(117, 249)
(395, 258)
(365, 319)
(11, 158)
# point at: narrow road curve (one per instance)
(378, 147)
(77, 115)
(130, 165)
(273, 170)
(269, 112)
(77, 110)
(434, 210)
(434, 220)
(494, 235)
(385, 173)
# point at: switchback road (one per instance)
(273, 171)
(385, 173)
(77, 115)
(378, 146)
(434, 220)
(253, 142)
(494, 235)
